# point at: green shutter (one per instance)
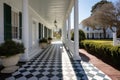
(20, 25)
(7, 22)
(40, 32)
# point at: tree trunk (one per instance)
(104, 33)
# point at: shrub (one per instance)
(107, 52)
(44, 40)
(9, 48)
(81, 36)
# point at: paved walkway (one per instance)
(107, 69)
(54, 63)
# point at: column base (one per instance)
(24, 58)
(76, 57)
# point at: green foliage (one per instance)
(9, 48)
(104, 51)
(49, 38)
(81, 36)
(99, 4)
(44, 40)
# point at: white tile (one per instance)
(32, 78)
(21, 78)
(10, 78)
(43, 78)
(26, 73)
(54, 78)
(35, 73)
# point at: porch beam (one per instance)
(76, 29)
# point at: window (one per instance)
(15, 25)
(88, 28)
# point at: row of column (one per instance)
(76, 30)
(25, 29)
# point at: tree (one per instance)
(117, 7)
(103, 15)
(98, 5)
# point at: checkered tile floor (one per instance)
(55, 64)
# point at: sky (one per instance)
(85, 7)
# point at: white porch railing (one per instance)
(116, 41)
(70, 45)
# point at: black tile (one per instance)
(41, 70)
(32, 70)
(39, 75)
(59, 70)
(29, 75)
(35, 66)
(50, 75)
(77, 70)
(29, 63)
(18, 76)
(51, 66)
(37, 63)
(43, 66)
(79, 75)
(60, 75)
(24, 70)
(27, 66)
(59, 66)
(74, 66)
(51, 70)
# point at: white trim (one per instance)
(42, 21)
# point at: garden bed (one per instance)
(103, 50)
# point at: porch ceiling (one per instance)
(50, 10)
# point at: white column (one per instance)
(69, 27)
(76, 29)
(63, 34)
(52, 33)
(66, 34)
(25, 29)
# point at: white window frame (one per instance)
(15, 24)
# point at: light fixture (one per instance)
(55, 23)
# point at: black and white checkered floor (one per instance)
(54, 63)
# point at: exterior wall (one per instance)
(16, 6)
(34, 20)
